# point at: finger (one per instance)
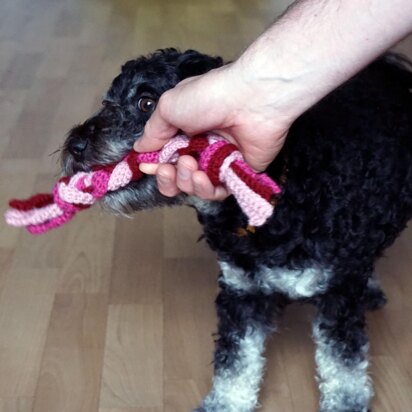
(149, 168)
(156, 134)
(158, 129)
(204, 188)
(220, 193)
(186, 165)
(166, 180)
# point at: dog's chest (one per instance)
(295, 284)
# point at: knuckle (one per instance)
(202, 192)
(164, 103)
(184, 185)
(166, 181)
(188, 162)
(167, 189)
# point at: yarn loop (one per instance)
(221, 161)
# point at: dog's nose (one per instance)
(77, 146)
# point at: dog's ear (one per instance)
(192, 63)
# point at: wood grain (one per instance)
(16, 404)
(73, 354)
(117, 315)
(25, 305)
(133, 361)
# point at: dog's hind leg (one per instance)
(341, 352)
(245, 320)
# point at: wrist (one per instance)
(316, 46)
(273, 84)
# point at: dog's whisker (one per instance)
(56, 151)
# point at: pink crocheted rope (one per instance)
(222, 162)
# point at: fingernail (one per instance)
(148, 168)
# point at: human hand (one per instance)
(309, 51)
(222, 101)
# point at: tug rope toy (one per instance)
(221, 161)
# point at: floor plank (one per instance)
(71, 365)
(25, 305)
(116, 315)
(133, 361)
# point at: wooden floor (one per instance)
(116, 315)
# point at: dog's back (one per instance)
(348, 169)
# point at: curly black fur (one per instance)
(347, 197)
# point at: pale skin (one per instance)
(315, 46)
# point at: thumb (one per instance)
(157, 133)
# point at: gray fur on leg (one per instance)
(344, 383)
(236, 389)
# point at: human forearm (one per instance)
(317, 45)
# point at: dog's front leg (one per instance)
(341, 353)
(245, 320)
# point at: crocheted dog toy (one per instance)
(221, 161)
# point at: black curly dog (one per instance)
(348, 194)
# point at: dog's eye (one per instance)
(146, 104)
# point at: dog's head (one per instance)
(109, 135)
